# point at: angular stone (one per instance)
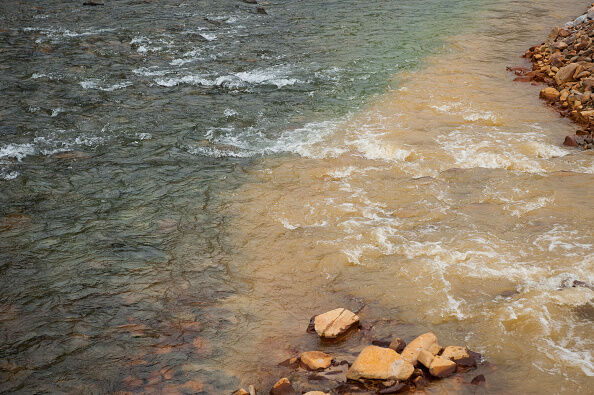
(459, 355)
(394, 389)
(380, 364)
(241, 391)
(425, 358)
(316, 359)
(478, 380)
(549, 94)
(335, 322)
(566, 73)
(283, 387)
(427, 341)
(397, 345)
(420, 382)
(570, 141)
(442, 367)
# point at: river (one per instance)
(183, 184)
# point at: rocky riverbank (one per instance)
(565, 63)
(382, 367)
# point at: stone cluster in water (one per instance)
(382, 367)
(565, 61)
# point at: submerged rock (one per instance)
(478, 380)
(283, 387)
(93, 2)
(380, 364)
(315, 360)
(241, 391)
(459, 355)
(334, 323)
(397, 345)
(394, 389)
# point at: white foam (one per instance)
(151, 71)
(217, 152)
(144, 136)
(16, 151)
(8, 175)
(57, 111)
(520, 208)
(209, 36)
(94, 84)
(270, 76)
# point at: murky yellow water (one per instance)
(446, 205)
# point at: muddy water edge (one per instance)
(446, 205)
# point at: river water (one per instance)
(183, 184)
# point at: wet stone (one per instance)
(397, 345)
(283, 387)
(427, 341)
(442, 367)
(315, 360)
(394, 389)
(334, 323)
(459, 355)
(478, 380)
(380, 364)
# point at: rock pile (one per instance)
(565, 63)
(383, 367)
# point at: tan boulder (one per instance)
(283, 387)
(459, 355)
(381, 364)
(241, 391)
(427, 341)
(442, 367)
(549, 94)
(425, 358)
(566, 73)
(335, 322)
(316, 359)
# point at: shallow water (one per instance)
(236, 173)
